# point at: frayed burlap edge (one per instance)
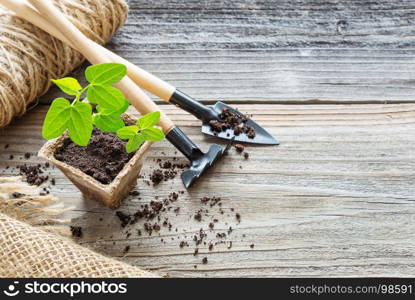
(38, 251)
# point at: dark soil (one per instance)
(76, 231)
(17, 195)
(211, 216)
(102, 159)
(212, 201)
(134, 193)
(124, 218)
(157, 177)
(168, 170)
(246, 155)
(239, 147)
(198, 216)
(151, 212)
(183, 244)
(232, 121)
(33, 174)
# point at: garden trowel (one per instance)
(208, 114)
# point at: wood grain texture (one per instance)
(276, 51)
(336, 198)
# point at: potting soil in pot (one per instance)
(102, 159)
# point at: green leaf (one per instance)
(108, 123)
(56, 119)
(134, 143)
(68, 85)
(149, 120)
(80, 123)
(108, 73)
(152, 134)
(127, 132)
(112, 112)
(109, 98)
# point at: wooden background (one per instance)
(333, 80)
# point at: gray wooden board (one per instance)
(336, 198)
(275, 51)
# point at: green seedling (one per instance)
(144, 130)
(78, 117)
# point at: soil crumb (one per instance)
(156, 177)
(167, 170)
(233, 121)
(76, 231)
(124, 218)
(33, 174)
(17, 195)
(239, 147)
(102, 159)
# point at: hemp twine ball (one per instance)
(30, 58)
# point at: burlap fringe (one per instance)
(30, 247)
(23, 202)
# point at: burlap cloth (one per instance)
(29, 57)
(32, 241)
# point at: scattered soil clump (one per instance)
(239, 147)
(102, 159)
(33, 174)
(233, 121)
(76, 231)
(157, 177)
(167, 170)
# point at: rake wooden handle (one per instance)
(96, 56)
(146, 80)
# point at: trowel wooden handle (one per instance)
(95, 55)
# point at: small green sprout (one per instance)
(78, 117)
(144, 130)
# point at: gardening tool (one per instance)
(157, 86)
(200, 161)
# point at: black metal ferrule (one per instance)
(183, 144)
(200, 111)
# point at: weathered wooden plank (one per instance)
(276, 51)
(336, 198)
